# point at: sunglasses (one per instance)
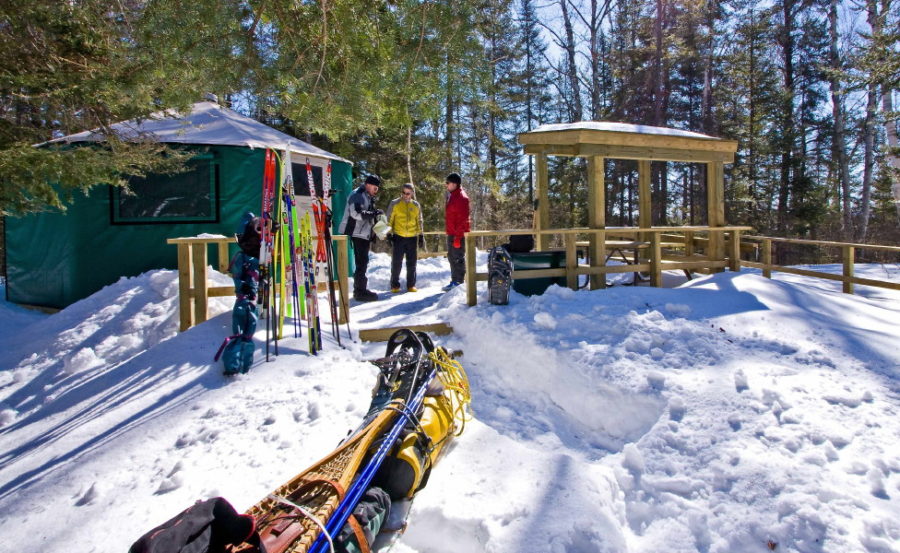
(407, 193)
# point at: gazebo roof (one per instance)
(209, 124)
(626, 141)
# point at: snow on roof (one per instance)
(612, 126)
(210, 124)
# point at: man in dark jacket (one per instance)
(456, 217)
(358, 223)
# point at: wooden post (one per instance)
(655, 260)
(185, 313)
(471, 281)
(343, 270)
(688, 243)
(224, 261)
(767, 258)
(734, 259)
(598, 259)
(542, 210)
(645, 200)
(715, 194)
(596, 215)
(198, 289)
(849, 254)
(571, 262)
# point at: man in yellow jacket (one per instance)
(405, 219)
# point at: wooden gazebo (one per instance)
(599, 140)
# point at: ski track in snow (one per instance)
(719, 416)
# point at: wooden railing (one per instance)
(194, 290)
(847, 259)
(654, 249)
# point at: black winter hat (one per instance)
(372, 179)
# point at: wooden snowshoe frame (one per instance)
(319, 489)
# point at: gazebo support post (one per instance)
(596, 216)
(645, 199)
(715, 194)
(542, 209)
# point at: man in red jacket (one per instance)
(456, 216)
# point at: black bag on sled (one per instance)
(205, 527)
(499, 275)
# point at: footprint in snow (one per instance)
(740, 381)
(89, 496)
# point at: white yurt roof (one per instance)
(209, 124)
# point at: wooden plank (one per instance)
(596, 192)
(645, 205)
(632, 268)
(542, 215)
(220, 291)
(224, 261)
(826, 276)
(734, 257)
(571, 263)
(185, 313)
(669, 265)
(825, 243)
(538, 273)
(200, 240)
(715, 193)
(343, 262)
(610, 230)
(198, 286)
(471, 288)
(383, 334)
(655, 262)
(849, 254)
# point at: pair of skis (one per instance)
(325, 252)
(281, 255)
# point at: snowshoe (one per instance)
(499, 275)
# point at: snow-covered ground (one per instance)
(726, 414)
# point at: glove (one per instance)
(457, 241)
(391, 237)
(369, 214)
(422, 241)
(378, 212)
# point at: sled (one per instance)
(318, 490)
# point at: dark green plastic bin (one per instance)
(553, 259)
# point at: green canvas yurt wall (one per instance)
(55, 259)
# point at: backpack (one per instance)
(206, 527)
(249, 234)
(499, 275)
(520, 243)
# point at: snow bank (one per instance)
(733, 413)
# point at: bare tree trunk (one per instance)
(577, 109)
(661, 93)
(890, 129)
(449, 114)
(409, 153)
(839, 145)
(868, 162)
(788, 124)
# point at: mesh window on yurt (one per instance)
(301, 182)
(188, 197)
